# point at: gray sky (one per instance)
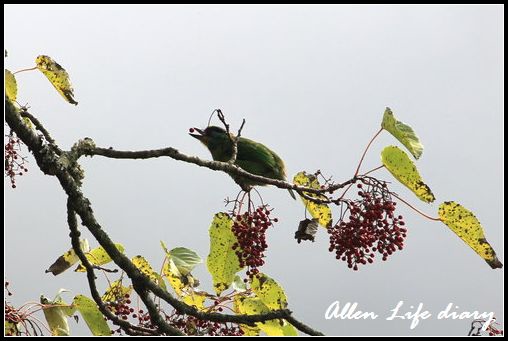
(312, 83)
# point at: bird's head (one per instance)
(210, 135)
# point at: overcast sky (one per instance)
(312, 83)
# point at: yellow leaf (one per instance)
(67, 260)
(99, 256)
(116, 292)
(321, 212)
(269, 291)
(222, 261)
(195, 299)
(402, 132)
(175, 278)
(254, 306)
(404, 170)
(142, 264)
(11, 88)
(465, 225)
(57, 76)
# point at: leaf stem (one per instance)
(365, 151)
(23, 70)
(373, 170)
(414, 208)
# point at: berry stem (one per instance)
(23, 70)
(241, 202)
(414, 208)
(345, 191)
(373, 170)
(365, 151)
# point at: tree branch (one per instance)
(75, 234)
(37, 125)
(225, 167)
(50, 164)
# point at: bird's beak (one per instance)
(200, 134)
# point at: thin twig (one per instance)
(235, 141)
(365, 151)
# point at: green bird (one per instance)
(252, 156)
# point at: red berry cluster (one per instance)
(249, 229)
(370, 227)
(191, 325)
(121, 308)
(14, 162)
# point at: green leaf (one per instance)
(98, 256)
(239, 285)
(92, 315)
(56, 316)
(269, 291)
(465, 225)
(11, 88)
(67, 260)
(184, 259)
(321, 212)
(222, 260)
(254, 306)
(57, 76)
(404, 170)
(402, 132)
(116, 292)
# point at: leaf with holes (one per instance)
(465, 225)
(404, 170)
(57, 76)
(222, 261)
(321, 212)
(402, 132)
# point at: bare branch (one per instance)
(213, 165)
(234, 139)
